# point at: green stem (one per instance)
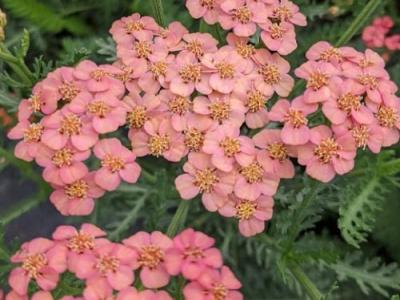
(310, 288)
(179, 218)
(149, 177)
(158, 11)
(359, 22)
(18, 66)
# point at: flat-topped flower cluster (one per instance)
(106, 270)
(180, 95)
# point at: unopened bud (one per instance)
(2, 34)
(3, 19)
(334, 11)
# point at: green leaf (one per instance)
(24, 46)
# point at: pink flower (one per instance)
(172, 35)
(279, 37)
(253, 180)
(151, 249)
(252, 215)
(207, 9)
(287, 11)
(294, 116)
(244, 48)
(41, 100)
(221, 109)
(62, 166)
(385, 22)
(326, 154)
(393, 42)
(194, 131)
(110, 262)
(271, 74)
(159, 139)
(346, 102)
(177, 107)
(193, 253)
(64, 126)
(40, 295)
(32, 134)
(326, 52)
(201, 177)
(389, 122)
(241, 16)
(41, 260)
(186, 76)
(319, 77)
(373, 36)
(129, 75)
(199, 44)
(117, 163)
(274, 156)
(153, 295)
(97, 288)
(77, 198)
(214, 284)
(226, 146)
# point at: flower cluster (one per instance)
(376, 34)
(275, 19)
(107, 269)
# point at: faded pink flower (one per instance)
(41, 260)
(152, 295)
(176, 107)
(294, 116)
(192, 254)
(77, 198)
(274, 154)
(201, 177)
(199, 44)
(152, 250)
(129, 75)
(194, 132)
(287, 11)
(214, 284)
(207, 9)
(226, 146)
(97, 288)
(172, 35)
(324, 51)
(279, 37)
(326, 154)
(244, 48)
(389, 122)
(117, 163)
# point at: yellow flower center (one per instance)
(132, 26)
(113, 163)
(277, 151)
(348, 102)
(360, 135)
(158, 69)
(365, 63)
(331, 53)
(77, 190)
(255, 101)
(179, 105)
(277, 31)
(32, 264)
(225, 70)
(125, 76)
(70, 125)
(252, 173)
(193, 253)
(295, 118)
(282, 13)
(245, 209)
(190, 73)
(270, 73)
(98, 74)
(158, 144)
(326, 150)
(196, 47)
(317, 80)
(205, 180)
(142, 48)
(194, 139)
(33, 133)
(35, 103)
(68, 91)
(136, 117)
(98, 108)
(62, 157)
(81, 242)
(231, 146)
(150, 256)
(107, 263)
(242, 14)
(219, 111)
(387, 116)
(369, 81)
(245, 50)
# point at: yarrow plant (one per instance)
(107, 270)
(377, 35)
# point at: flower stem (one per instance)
(158, 11)
(17, 65)
(310, 288)
(179, 218)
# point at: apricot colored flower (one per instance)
(117, 163)
(176, 107)
(199, 44)
(195, 128)
(389, 122)
(287, 11)
(207, 9)
(152, 250)
(140, 109)
(324, 51)
(279, 37)
(244, 48)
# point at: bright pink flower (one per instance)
(226, 146)
(158, 138)
(279, 37)
(207, 9)
(244, 48)
(151, 249)
(41, 260)
(389, 122)
(199, 44)
(99, 78)
(117, 163)
(176, 107)
(214, 284)
(319, 77)
(221, 109)
(241, 16)
(287, 11)
(253, 180)
(274, 156)
(393, 42)
(64, 126)
(271, 74)
(77, 198)
(186, 76)
(192, 254)
(294, 116)
(326, 154)
(251, 214)
(201, 177)
(347, 102)
(32, 134)
(385, 22)
(373, 36)
(62, 166)
(109, 261)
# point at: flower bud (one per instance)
(3, 19)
